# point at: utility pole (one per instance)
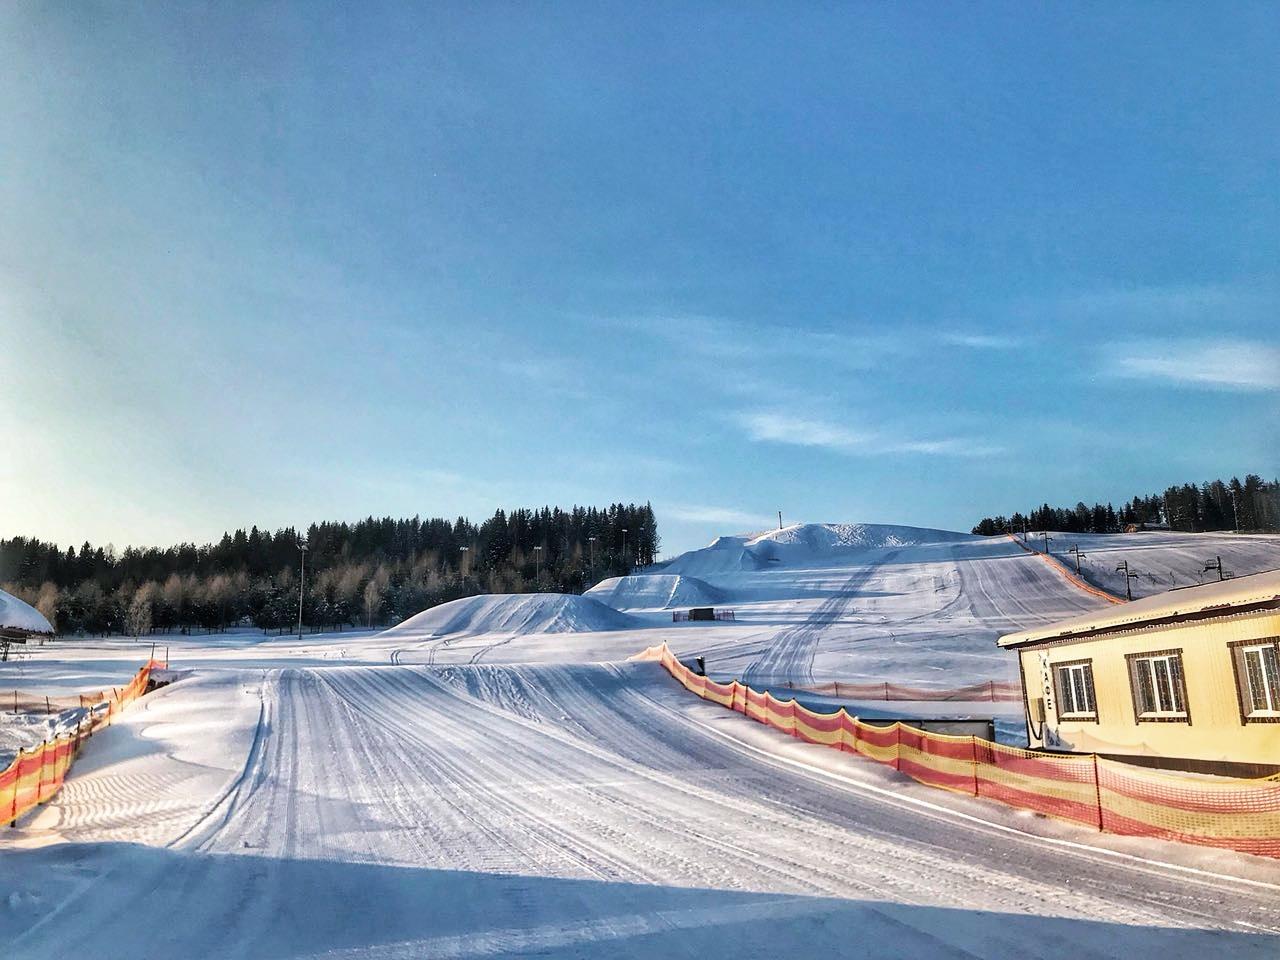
(302, 584)
(1129, 577)
(1075, 549)
(1235, 509)
(1215, 564)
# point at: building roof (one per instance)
(1257, 592)
(20, 618)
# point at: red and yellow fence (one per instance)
(1083, 788)
(35, 775)
(1067, 575)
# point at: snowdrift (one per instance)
(655, 591)
(514, 613)
(18, 615)
(802, 543)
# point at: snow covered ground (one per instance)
(518, 794)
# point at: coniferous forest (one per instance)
(374, 572)
(1251, 506)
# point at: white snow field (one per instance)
(533, 795)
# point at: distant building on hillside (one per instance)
(1188, 679)
(19, 622)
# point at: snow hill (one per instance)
(655, 591)
(19, 615)
(514, 613)
(802, 543)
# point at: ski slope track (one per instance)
(308, 798)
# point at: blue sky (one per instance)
(905, 263)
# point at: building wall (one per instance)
(1215, 731)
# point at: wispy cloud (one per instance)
(785, 428)
(1229, 365)
(981, 341)
(728, 517)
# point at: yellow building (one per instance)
(1186, 679)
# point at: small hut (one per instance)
(19, 623)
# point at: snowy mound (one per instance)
(655, 591)
(801, 543)
(515, 613)
(819, 538)
(18, 615)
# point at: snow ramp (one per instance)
(655, 591)
(514, 613)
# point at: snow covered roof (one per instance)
(1261, 591)
(18, 617)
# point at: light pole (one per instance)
(537, 553)
(592, 541)
(302, 584)
(624, 548)
(1075, 549)
(1129, 577)
(463, 551)
(1215, 564)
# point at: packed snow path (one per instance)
(570, 811)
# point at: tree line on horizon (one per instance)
(1251, 506)
(374, 572)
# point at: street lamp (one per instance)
(1129, 577)
(592, 541)
(624, 548)
(537, 553)
(302, 583)
(463, 551)
(1075, 548)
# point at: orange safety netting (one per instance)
(35, 775)
(988, 690)
(1104, 794)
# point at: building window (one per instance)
(1159, 690)
(1073, 684)
(1257, 665)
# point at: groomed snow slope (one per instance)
(382, 813)
(1162, 560)
(527, 613)
(17, 614)
(655, 591)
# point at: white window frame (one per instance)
(1270, 681)
(1074, 682)
(1157, 667)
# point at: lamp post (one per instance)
(624, 548)
(537, 576)
(464, 552)
(592, 541)
(1129, 577)
(1075, 549)
(302, 583)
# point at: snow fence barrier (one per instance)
(1108, 795)
(37, 774)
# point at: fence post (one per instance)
(973, 742)
(13, 805)
(1097, 792)
(40, 776)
